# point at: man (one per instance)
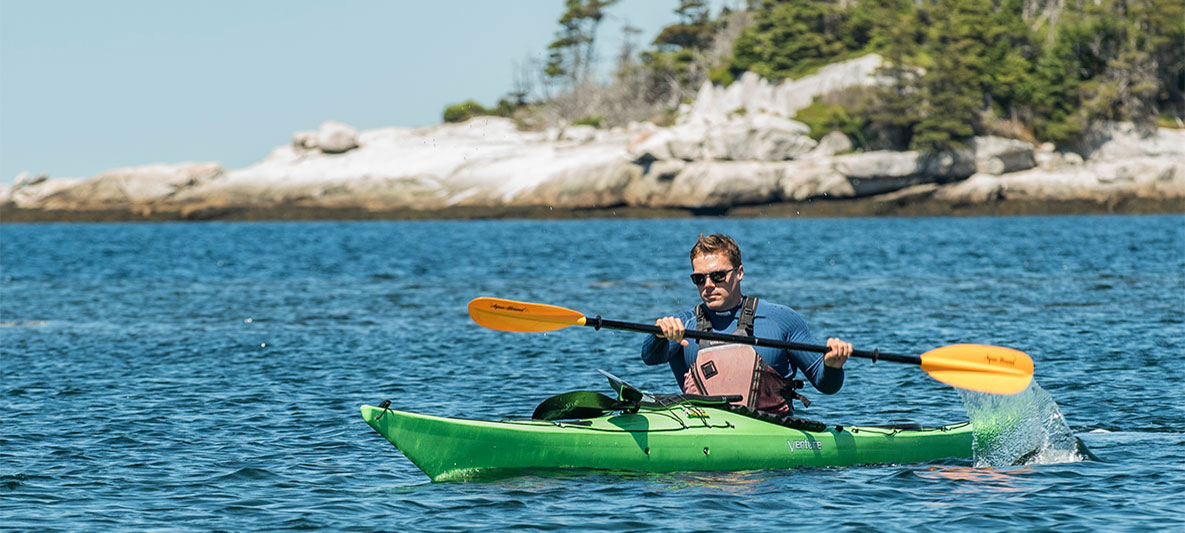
(704, 367)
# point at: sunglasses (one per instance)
(717, 277)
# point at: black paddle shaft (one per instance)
(875, 355)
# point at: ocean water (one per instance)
(207, 376)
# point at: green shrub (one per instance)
(722, 76)
(1170, 122)
(824, 118)
(464, 111)
(593, 120)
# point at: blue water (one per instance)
(208, 376)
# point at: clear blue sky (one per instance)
(87, 86)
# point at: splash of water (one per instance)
(1021, 429)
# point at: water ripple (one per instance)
(208, 376)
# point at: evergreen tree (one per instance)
(1043, 69)
(1010, 56)
(570, 55)
(693, 31)
(1128, 87)
(789, 38)
(892, 112)
(874, 25)
(953, 87)
(1057, 82)
(1163, 25)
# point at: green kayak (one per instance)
(655, 434)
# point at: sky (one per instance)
(89, 86)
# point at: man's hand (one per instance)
(673, 329)
(838, 353)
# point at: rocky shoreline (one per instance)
(807, 209)
(736, 151)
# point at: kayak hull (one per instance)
(669, 439)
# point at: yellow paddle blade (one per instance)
(979, 367)
(524, 317)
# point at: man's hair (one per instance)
(717, 243)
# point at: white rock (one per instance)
(1152, 177)
(813, 178)
(729, 141)
(580, 134)
(651, 146)
(335, 137)
(304, 140)
(487, 162)
(831, 144)
(138, 185)
(1123, 140)
(382, 192)
(687, 141)
(1049, 160)
(876, 164)
(762, 137)
(654, 185)
(596, 186)
(999, 155)
(715, 104)
(878, 172)
(724, 184)
(33, 192)
(27, 179)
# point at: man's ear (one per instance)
(740, 272)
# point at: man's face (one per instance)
(722, 295)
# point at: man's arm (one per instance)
(656, 350)
(826, 379)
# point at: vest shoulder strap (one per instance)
(744, 321)
(748, 311)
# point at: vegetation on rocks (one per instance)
(1039, 70)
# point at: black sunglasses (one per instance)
(717, 277)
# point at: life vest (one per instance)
(729, 369)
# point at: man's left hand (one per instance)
(837, 354)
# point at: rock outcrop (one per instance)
(734, 146)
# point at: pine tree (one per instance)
(1010, 57)
(892, 112)
(570, 55)
(693, 31)
(789, 38)
(953, 88)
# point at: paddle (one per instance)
(977, 367)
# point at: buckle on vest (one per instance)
(709, 369)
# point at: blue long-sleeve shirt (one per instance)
(770, 321)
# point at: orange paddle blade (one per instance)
(979, 367)
(523, 317)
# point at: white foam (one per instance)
(1021, 429)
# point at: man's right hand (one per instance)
(672, 328)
